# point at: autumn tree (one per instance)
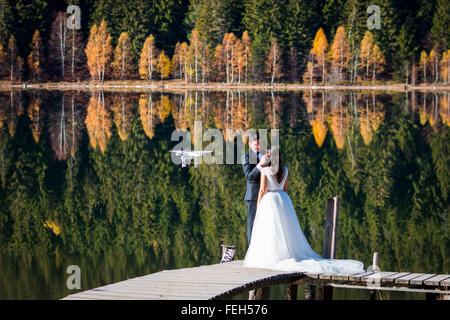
(195, 52)
(433, 60)
(219, 62)
(163, 65)
(273, 61)
(58, 45)
(177, 64)
(423, 64)
(367, 44)
(239, 61)
(13, 59)
(246, 52)
(123, 58)
(378, 61)
(76, 56)
(445, 66)
(66, 58)
(98, 51)
(318, 51)
(35, 59)
(3, 61)
(183, 56)
(228, 45)
(148, 58)
(308, 76)
(340, 52)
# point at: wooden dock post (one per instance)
(292, 292)
(375, 268)
(329, 252)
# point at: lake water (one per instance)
(87, 179)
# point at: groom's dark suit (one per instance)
(252, 176)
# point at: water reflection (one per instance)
(86, 177)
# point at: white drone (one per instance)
(188, 155)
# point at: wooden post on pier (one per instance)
(329, 252)
(375, 268)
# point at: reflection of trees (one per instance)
(370, 117)
(123, 114)
(14, 112)
(163, 107)
(445, 108)
(231, 113)
(65, 126)
(98, 121)
(433, 105)
(36, 115)
(147, 114)
(180, 111)
(273, 110)
(339, 121)
(316, 107)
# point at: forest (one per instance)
(225, 41)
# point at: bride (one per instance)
(277, 240)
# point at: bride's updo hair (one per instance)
(275, 163)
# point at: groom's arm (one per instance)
(250, 174)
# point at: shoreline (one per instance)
(143, 86)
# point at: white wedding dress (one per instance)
(278, 242)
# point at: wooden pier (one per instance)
(226, 280)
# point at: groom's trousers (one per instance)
(251, 212)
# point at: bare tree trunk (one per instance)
(62, 43)
(274, 63)
(232, 62)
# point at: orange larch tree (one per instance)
(318, 51)
(123, 58)
(148, 59)
(340, 52)
(163, 65)
(366, 50)
(246, 45)
(98, 51)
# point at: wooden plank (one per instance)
(377, 275)
(313, 275)
(248, 277)
(213, 290)
(419, 280)
(184, 286)
(445, 283)
(219, 275)
(212, 281)
(158, 292)
(394, 276)
(357, 277)
(325, 276)
(434, 281)
(123, 295)
(226, 271)
(340, 277)
(407, 278)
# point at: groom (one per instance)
(252, 163)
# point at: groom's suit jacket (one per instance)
(252, 175)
